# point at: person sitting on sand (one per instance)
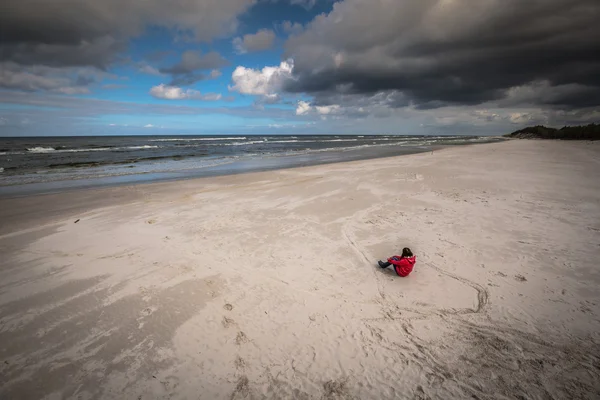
(403, 265)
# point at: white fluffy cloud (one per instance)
(303, 108)
(259, 41)
(167, 92)
(265, 82)
(324, 110)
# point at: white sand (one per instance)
(265, 286)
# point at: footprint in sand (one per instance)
(336, 389)
(239, 362)
(228, 307)
(242, 388)
(241, 338)
(227, 322)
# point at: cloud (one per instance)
(158, 55)
(95, 34)
(436, 54)
(62, 115)
(194, 60)
(148, 69)
(307, 4)
(267, 81)
(259, 41)
(193, 77)
(149, 126)
(92, 33)
(325, 110)
(188, 70)
(111, 86)
(292, 28)
(167, 92)
(544, 92)
(303, 108)
(65, 115)
(39, 78)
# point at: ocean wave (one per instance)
(246, 143)
(343, 149)
(137, 147)
(358, 147)
(91, 164)
(41, 149)
(197, 139)
(45, 150)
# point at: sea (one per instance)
(50, 164)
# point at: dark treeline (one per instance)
(584, 132)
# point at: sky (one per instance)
(158, 67)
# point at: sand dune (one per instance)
(265, 285)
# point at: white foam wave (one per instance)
(245, 143)
(197, 139)
(138, 147)
(53, 150)
(348, 148)
(41, 149)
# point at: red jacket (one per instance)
(403, 265)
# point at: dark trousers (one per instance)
(385, 264)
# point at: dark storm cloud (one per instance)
(158, 55)
(452, 51)
(92, 33)
(66, 80)
(189, 70)
(259, 41)
(187, 79)
(99, 52)
(193, 61)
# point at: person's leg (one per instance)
(384, 264)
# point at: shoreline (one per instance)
(132, 173)
(265, 284)
(92, 197)
(228, 169)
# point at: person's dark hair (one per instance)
(406, 252)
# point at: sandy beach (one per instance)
(265, 285)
